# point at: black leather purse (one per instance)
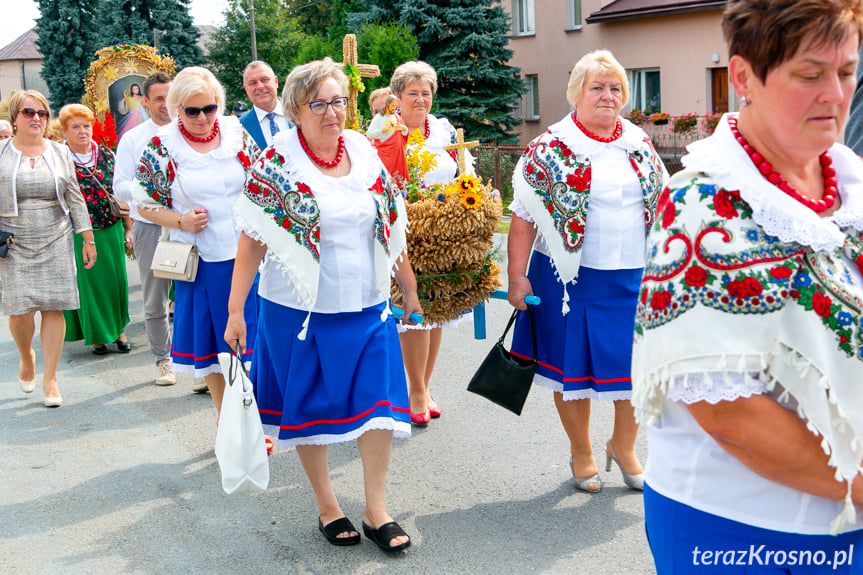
(6, 240)
(504, 378)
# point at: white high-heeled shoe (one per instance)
(582, 483)
(631, 481)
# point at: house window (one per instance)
(573, 14)
(522, 17)
(531, 98)
(644, 89)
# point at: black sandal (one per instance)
(341, 525)
(386, 533)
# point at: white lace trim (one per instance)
(400, 429)
(464, 318)
(574, 395)
(231, 143)
(727, 164)
(714, 387)
(213, 368)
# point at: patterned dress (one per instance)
(104, 288)
(39, 272)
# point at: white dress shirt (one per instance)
(281, 121)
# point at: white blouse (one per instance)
(614, 235)
(212, 181)
(347, 213)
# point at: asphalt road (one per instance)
(123, 479)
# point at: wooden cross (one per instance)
(461, 146)
(349, 56)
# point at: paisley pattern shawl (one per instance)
(553, 178)
(278, 207)
(721, 293)
(157, 166)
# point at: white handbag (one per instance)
(240, 447)
(175, 260)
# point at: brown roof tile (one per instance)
(22, 48)
(630, 9)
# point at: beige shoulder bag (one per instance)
(176, 261)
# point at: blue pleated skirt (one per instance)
(347, 376)
(585, 354)
(684, 540)
(200, 317)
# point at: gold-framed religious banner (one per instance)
(114, 83)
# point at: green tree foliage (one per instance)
(465, 40)
(133, 22)
(278, 39)
(326, 18)
(65, 31)
(386, 45)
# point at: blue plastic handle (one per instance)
(532, 299)
(414, 317)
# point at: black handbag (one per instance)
(6, 240)
(504, 378)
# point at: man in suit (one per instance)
(266, 118)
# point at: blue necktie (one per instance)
(274, 127)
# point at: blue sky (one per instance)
(17, 21)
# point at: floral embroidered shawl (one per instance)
(740, 277)
(552, 180)
(155, 172)
(278, 208)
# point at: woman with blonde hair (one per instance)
(188, 179)
(41, 204)
(585, 195)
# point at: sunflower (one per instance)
(467, 182)
(470, 200)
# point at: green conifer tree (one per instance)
(65, 30)
(466, 42)
(134, 22)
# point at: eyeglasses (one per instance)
(319, 107)
(30, 112)
(193, 112)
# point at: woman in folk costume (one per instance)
(188, 179)
(584, 195)
(415, 84)
(104, 290)
(321, 212)
(748, 358)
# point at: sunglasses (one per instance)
(30, 112)
(193, 112)
(319, 107)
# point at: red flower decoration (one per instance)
(156, 141)
(244, 159)
(643, 296)
(666, 208)
(722, 204)
(696, 276)
(781, 272)
(747, 287)
(660, 300)
(529, 169)
(859, 262)
(270, 153)
(303, 188)
(286, 223)
(821, 304)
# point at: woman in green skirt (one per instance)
(104, 290)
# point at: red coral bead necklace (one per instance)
(828, 172)
(76, 156)
(317, 159)
(203, 140)
(428, 129)
(618, 130)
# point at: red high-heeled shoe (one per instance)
(420, 419)
(434, 409)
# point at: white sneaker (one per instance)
(200, 385)
(166, 373)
